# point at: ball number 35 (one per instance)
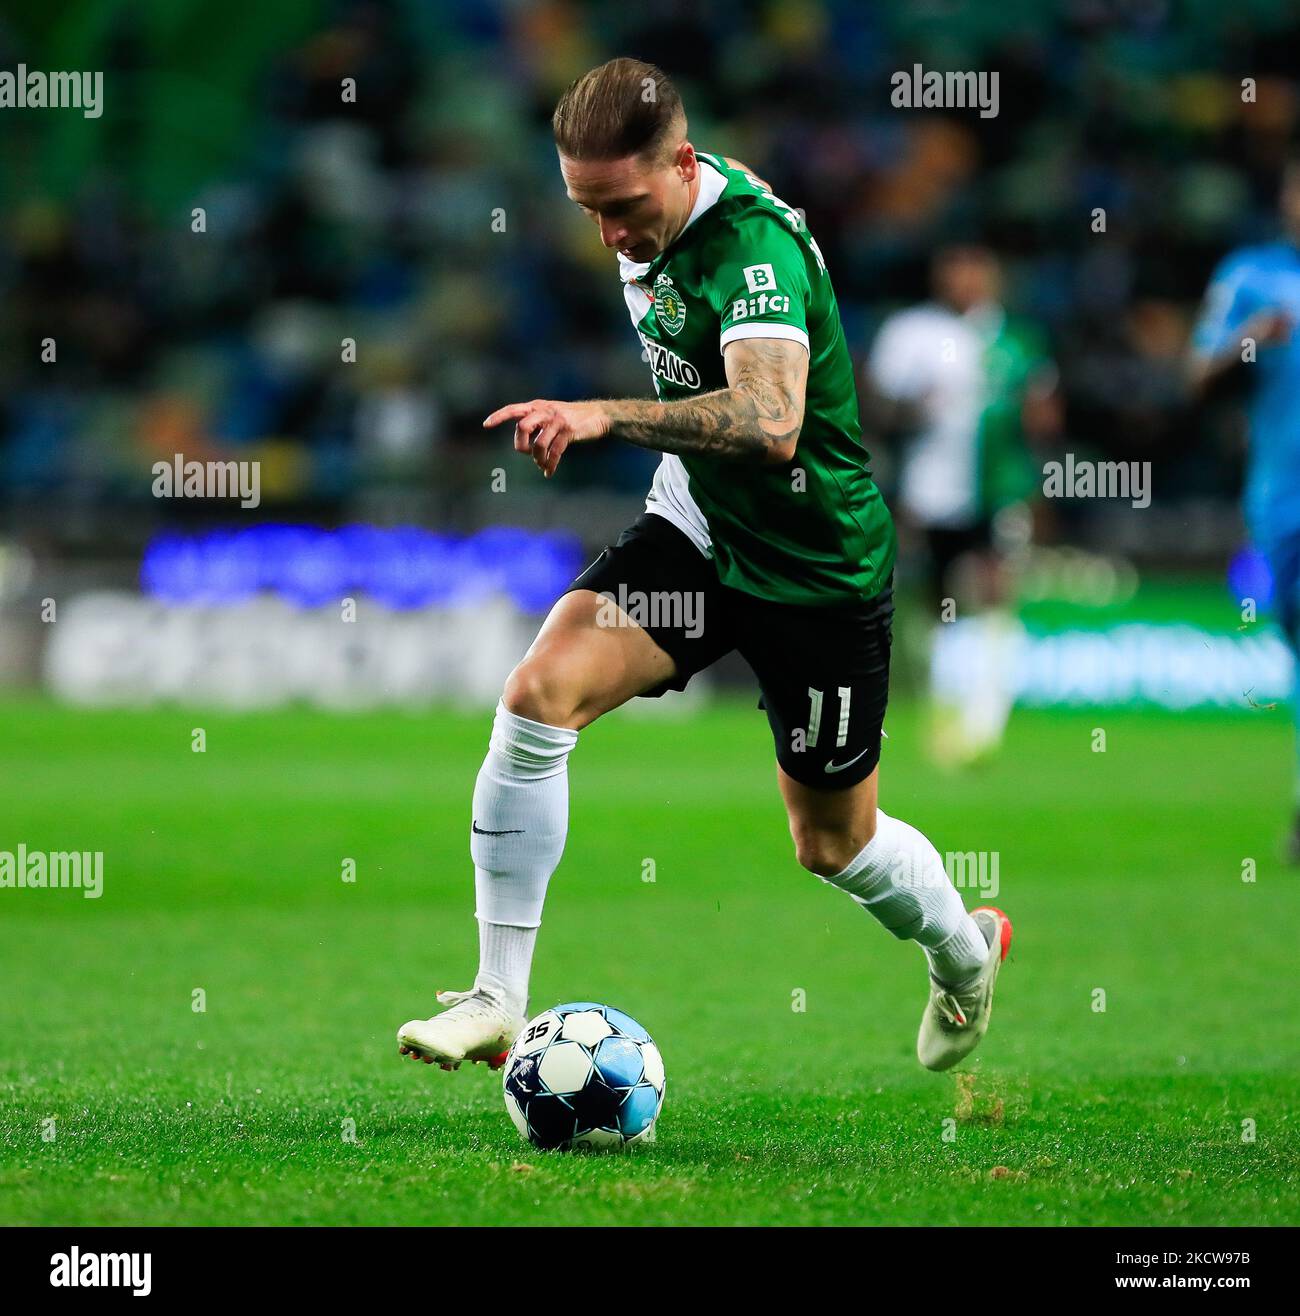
(539, 1029)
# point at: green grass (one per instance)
(1121, 870)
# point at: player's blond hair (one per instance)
(622, 108)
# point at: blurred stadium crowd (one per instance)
(427, 221)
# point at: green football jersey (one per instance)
(814, 530)
(1014, 361)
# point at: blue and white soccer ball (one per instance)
(584, 1075)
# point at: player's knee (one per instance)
(534, 692)
(828, 850)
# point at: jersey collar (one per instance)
(712, 185)
(987, 319)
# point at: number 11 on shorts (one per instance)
(815, 717)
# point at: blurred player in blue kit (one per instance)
(1247, 327)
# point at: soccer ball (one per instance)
(584, 1075)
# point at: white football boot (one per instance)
(475, 1027)
(954, 1022)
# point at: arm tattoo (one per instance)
(757, 418)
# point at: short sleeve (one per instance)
(1226, 307)
(762, 286)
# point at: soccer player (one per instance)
(763, 532)
(1250, 311)
(964, 385)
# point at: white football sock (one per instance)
(505, 956)
(900, 879)
(987, 706)
(973, 662)
(521, 819)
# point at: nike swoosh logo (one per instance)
(839, 767)
(478, 831)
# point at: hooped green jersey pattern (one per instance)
(815, 530)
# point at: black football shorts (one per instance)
(823, 671)
(945, 546)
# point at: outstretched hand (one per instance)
(545, 429)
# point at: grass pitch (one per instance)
(1121, 870)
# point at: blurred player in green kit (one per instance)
(966, 388)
